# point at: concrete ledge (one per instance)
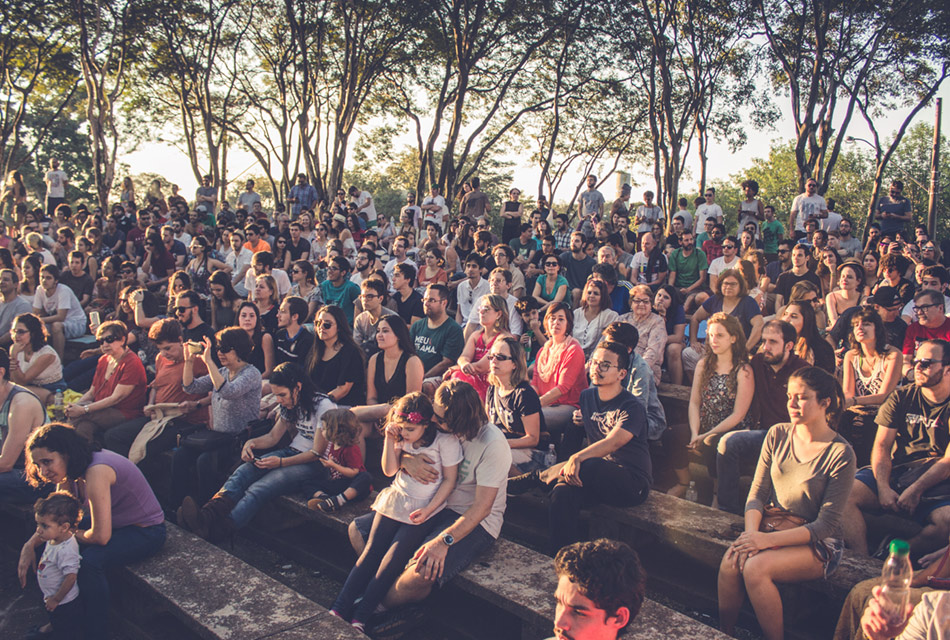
(220, 597)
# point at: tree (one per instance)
(39, 76)
(195, 58)
(109, 35)
(825, 55)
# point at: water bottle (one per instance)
(691, 493)
(896, 577)
(550, 458)
(57, 408)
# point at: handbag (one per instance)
(778, 519)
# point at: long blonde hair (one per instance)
(740, 356)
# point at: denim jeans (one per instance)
(205, 463)
(14, 489)
(736, 452)
(78, 374)
(251, 487)
(127, 544)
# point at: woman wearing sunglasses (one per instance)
(118, 390)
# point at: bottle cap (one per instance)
(899, 547)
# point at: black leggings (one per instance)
(604, 482)
(390, 546)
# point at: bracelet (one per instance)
(86, 407)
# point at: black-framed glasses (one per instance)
(369, 296)
(440, 419)
(925, 363)
(326, 325)
(642, 300)
(224, 350)
(333, 268)
(20, 332)
(180, 309)
(602, 365)
(918, 308)
(500, 357)
(728, 246)
(109, 339)
(551, 264)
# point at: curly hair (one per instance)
(62, 439)
(39, 335)
(341, 427)
(605, 571)
(61, 506)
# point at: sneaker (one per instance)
(524, 483)
(883, 549)
(395, 623)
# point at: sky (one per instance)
(171, 163)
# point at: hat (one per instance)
(855, 264)
(886, 297)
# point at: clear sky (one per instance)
(167, 161)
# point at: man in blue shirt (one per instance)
(302, 195)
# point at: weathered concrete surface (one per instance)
(323, 627)
(703, 533)
(218, 595)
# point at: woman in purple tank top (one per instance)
(125, 522)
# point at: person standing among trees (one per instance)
(56, 183)
(804, 206)
(590, 208)
(894, 210)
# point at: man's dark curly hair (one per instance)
(606, 571)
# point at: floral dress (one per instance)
(717, 403)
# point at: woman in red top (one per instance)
(118, 388)
(559, 377)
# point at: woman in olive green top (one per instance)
(805, 469)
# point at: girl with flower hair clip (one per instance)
(403, 509)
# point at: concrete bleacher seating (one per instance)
(522, 582)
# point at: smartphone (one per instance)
(94, 318)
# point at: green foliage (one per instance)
(911, 164)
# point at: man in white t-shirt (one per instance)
(262, 264)
(364, 204)
(728, 260)
(807, 205)
(472, 288)
(57, 306)
(708, 209)
(833, 221)
(56, 181)
(434, 209)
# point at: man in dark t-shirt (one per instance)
(912, 441)
(615, 468)
(577, 266)
(887, 302)
(77, 279)
(293, 343)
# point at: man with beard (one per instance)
(912, 437)
(738, 451)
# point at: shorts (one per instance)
(53, 387)
(924, 508)
(460, 555)
(74, 328)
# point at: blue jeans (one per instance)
(14, 489)
(737, 451)
(78, 374)
(251, 487)
(127, 544)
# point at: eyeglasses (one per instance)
(602, 365)
(641, 301)
(326, 325)
(333, 268)
(225, 349)
(730, 283)
(925, 363)
(108, 339)
(368, 296)
(180, 310)
(440, 419)
(783, 250)
(499, 357)
(920, 308)
(728, 246)
(296, 271)
(551, 264)
(20, 332)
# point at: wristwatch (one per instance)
(447, 539)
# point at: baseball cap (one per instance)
(886, 297)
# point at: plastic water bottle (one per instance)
(57, 408)
(896, 577)
(691, 493)
(550, 458)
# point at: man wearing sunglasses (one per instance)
(910, 457)
(931, 324)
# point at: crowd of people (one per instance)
(481, 365)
